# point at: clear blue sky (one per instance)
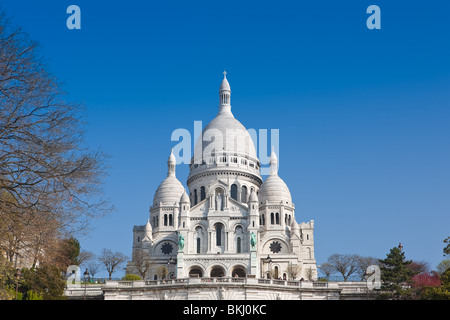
(364, 115)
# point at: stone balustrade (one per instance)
(220, 281)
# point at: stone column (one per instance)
(226, 244)
(209, 240)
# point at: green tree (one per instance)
(7, 282)
(45, 281)
(439, 293)
(72, 246)
(443, 266)
(446, 249)
(395, 276)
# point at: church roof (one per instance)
(221, 128)
(170, 190)
(274, 189)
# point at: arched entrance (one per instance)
(217, 272)
(195, 272)
(238, 272)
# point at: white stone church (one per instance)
(229, 222)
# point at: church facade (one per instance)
(229, 222)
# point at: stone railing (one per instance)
(221, 281)
(90, 291)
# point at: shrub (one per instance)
(31, 295)
(131, 277)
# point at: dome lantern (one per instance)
(225, 94)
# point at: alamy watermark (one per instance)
(225, 145)
(374, 277)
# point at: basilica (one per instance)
(229, 222)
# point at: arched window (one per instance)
(277, 218)
(170, 220)
(202, 194)
(165, 220)
(263, 219)
(218, 235)
(139, 239)
(198, 245)
(234, 192)
(275, 272)
(195, 197)
(289, 220)
(272, 219)
(238, 245)
(244, 194)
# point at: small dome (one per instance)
(185, 197)
(225, 85)
(274, 189)
(169, 191)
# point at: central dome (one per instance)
(224, 135)
(224, 146)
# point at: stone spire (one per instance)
(171, 163)
(273, 163)
(225, 94)
(148, 232)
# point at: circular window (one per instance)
(275, 247)
(167, 248)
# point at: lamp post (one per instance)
(169, 262)
(86, 276)
(17, 275)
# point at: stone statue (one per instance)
(181, 242)
(253, 240)
(221, 294)
(219, 202)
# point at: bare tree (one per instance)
(85, 257)
(419, 267)
(111, 260)
(93, 267)
(50, 183)
(345, 264)
(363, 263)
(309, 274)
(327, 270)
(142, 263)
(293, 270)
(162, 272)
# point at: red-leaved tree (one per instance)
(426, 279)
